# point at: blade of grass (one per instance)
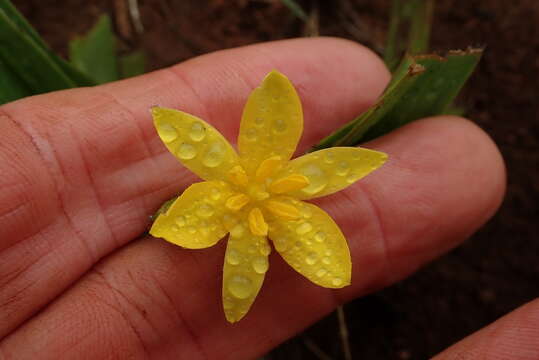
(95, 53)
(24, 26)
(31, 62)
(422, 86)
(393, 48)
(295, 9)
(132, 64)
(11, 86)
(420, 25)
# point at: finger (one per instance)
(514, 336)
(163, 300)
(83, 169)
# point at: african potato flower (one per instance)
(257, 193)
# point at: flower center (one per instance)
(257, 190)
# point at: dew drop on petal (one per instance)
(259, 121)
(191, 230)
(250, 134)
(281, 244)
(351, 178)
(326, 260)
(167, 132)
(240, 286)
(214, 155)
(215, 194)
(175, 228)
(237, 231)
(180, 221)
(317, 179)
(197, 132)
(265, 249)
(228, 304)
(304, 228)
(321, 272)
(233, 257)
(187, 151)
(343, 168)
(336, 281)
(306, 212)
(311, 258)
(260, 264)
(320, 236)
(329, 157)
(279, 125)
(205, 210)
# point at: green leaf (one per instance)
(95, 53)
(295, 9)
(11, 86)
(30, 61)
(132, 64)
(422, 86)
(25, 28)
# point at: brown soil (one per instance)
(493, 273)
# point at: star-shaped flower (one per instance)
(256, 193)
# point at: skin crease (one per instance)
(82, 170)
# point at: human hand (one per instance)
(83, 169)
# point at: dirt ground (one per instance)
(494, 272)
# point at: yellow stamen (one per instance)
(238, 176)
(268, 167)
(289, 183)
(257, 224)
(236, 202)
(282, 209)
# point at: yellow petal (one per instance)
(282, 209)
(246, 262)
(197, 144)
(195, 219)
(331, 170)
(272, 122)
(268, 167)
(313, 245)
(238, 176)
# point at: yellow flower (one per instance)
(257, 193)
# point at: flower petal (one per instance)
(313, 245)
(272, 122)
(331, 170)
(195, 219)
(246, 262)
(197, 144)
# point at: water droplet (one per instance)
(214, 156)
(321, 272)
(237, 231)
(233, 257)
(306, 212)
(260, 264)
(175, 228)
(187, 151)
(311, 259)
(215, 194)
(356, 156)
(180, 221)
(320, 236)
(304, 228)
(329, 157)
(336, 281)
(281, 244)
(279, 125)
(205, 210)
(198, 131)
(352, 178)
(250, 134)
(167, 132)
(343, 168)
(259, 121)
(317, 179)
(227, 304)
(328, 252)
(265, 249)
(326, 260)
(251, 249)
(191, 230)
(240, 286)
